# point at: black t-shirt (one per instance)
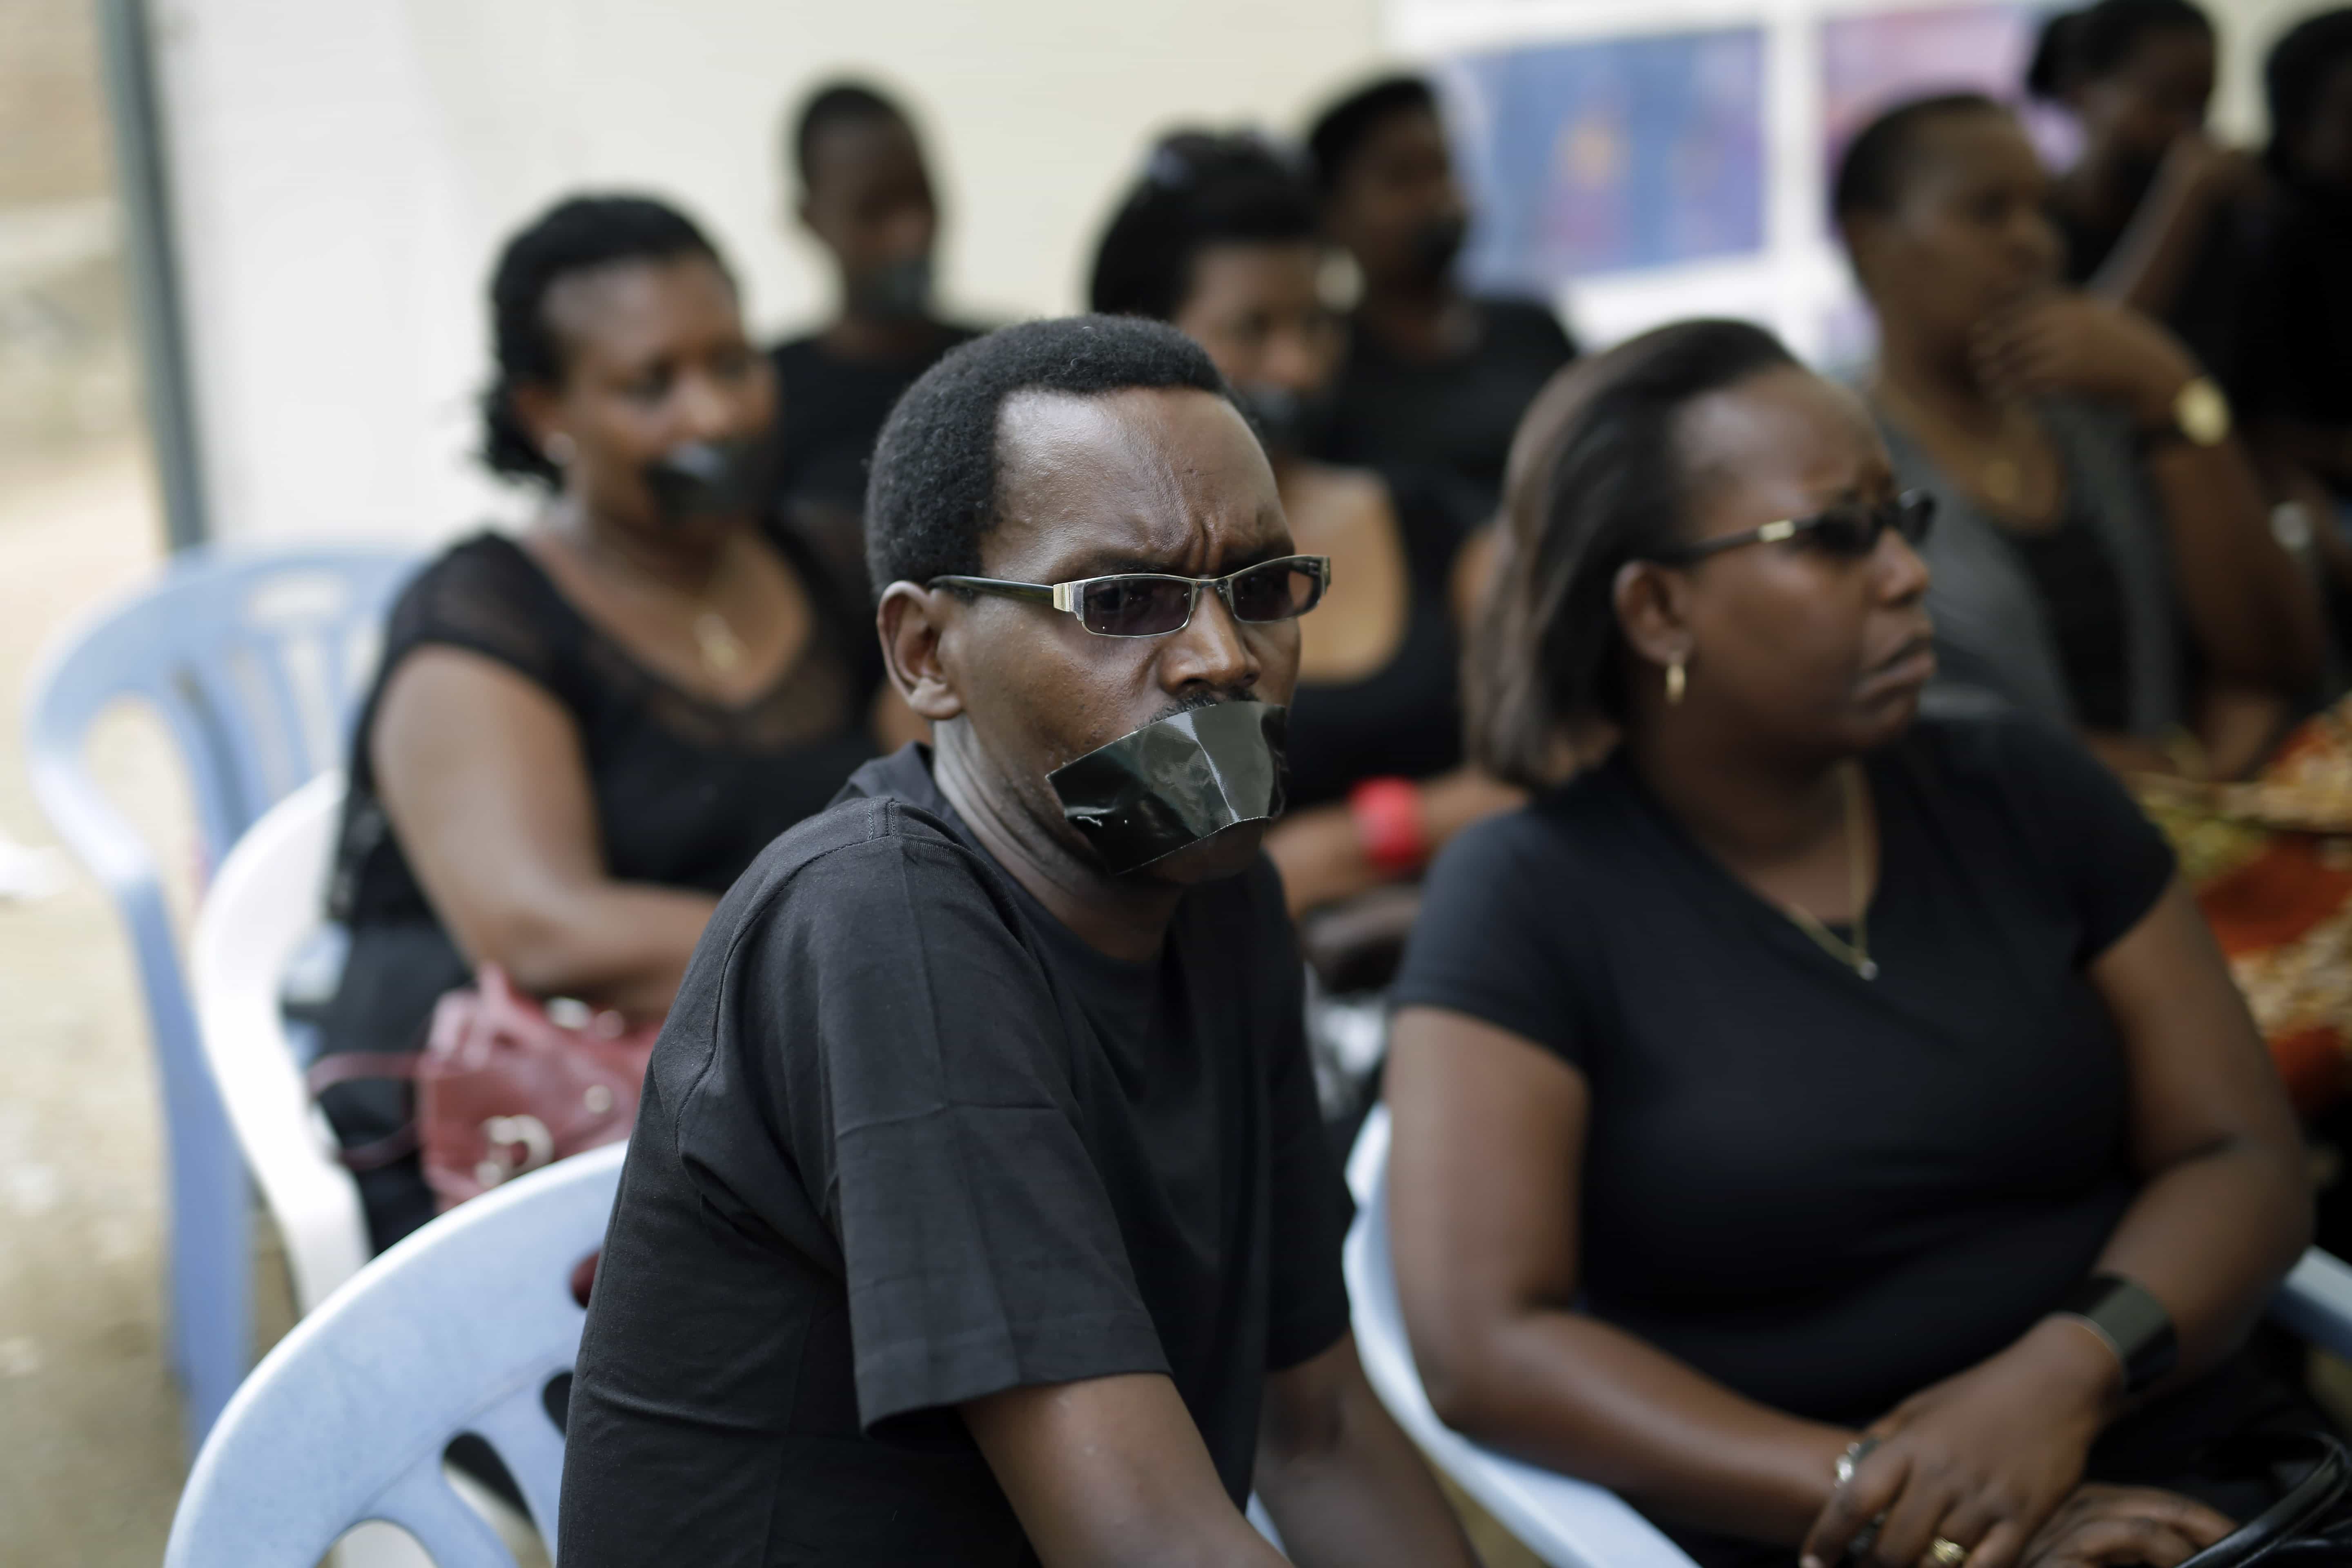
(2300, 338)
(1824, 1192)
(1405, 718)
(829, 411)
(906, 1142)
(1456, 414)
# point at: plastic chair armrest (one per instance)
(2315, 1302)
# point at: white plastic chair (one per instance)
(1567, 1522)
(1575, 1524)
(265, 901)
(460, 1328)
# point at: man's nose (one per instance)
(1210, 651)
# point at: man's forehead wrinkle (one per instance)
(1065, 459)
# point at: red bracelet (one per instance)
(1388, 823)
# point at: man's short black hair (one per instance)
(2297, 70)
(1198, 190)
(837, 104)
(1877, 164)
(1340, 132)
(932, 496)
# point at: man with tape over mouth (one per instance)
(977, 1210)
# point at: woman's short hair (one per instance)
(1197, 190)
(2297, 71)
(2077, 47)
(574, 235)
(1879, 163)
(1340, 132)
(1601, 482)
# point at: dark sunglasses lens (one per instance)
(1135, 607)
(1275, 592)
(1849, 531)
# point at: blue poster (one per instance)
(1611, 154)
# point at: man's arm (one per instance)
(1111, 1473)
(1344, 1486)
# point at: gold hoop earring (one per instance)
(1676, 684)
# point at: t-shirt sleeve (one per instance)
(2110, 858)
(930, 1113)
(1308, 1305)
(1489, 941)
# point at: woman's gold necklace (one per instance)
(1854, 954)
(714, 638)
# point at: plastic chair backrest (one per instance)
(254, 661)
(1568, 1523)
(252, 658)
(266, 900)
(460, 1328)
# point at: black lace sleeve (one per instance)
(487, 596)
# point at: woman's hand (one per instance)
(1982, 1459)
(2068, 344)
(2102, 1525)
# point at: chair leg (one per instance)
(212, 1259)
(211, 1289)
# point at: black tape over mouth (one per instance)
(1175, 782)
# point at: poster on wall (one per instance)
(1611, 154)
(1641, 160)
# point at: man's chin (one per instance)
(1225, 853)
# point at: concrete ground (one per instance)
(89, 1422)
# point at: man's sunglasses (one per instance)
(1851, 530)
(1152, 604)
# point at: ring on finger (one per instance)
(1946, 1552)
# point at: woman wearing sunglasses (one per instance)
(1220, 240)
(2101, 557)
(1834, 1131)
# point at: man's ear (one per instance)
(1652, 604)
(913, 622)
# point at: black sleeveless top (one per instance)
(1405, 718)
(688, 792)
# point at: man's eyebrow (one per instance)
(1118, 562)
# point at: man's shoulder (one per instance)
(859, 849)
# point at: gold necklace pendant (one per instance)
(1854, 954)
(722, 650)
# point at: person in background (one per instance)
(2302, 382)
(1220, 238)
(866, 196)
(978, 1211)
(1432, 374)
(1806, 1116)
(2102, 533)
(579, 738)
(2153, 214)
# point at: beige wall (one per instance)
(345, 170)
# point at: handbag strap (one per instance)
(359, 1067)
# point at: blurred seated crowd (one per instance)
(1842, 869)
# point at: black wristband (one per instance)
(2132, 1323)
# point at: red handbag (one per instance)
(502, 1087)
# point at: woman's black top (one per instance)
(2083, 604)
(1457, 413)
(1824, 1192)
(1405, 718)
(688, 792)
